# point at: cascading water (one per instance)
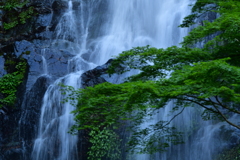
(45, 69)
(66, 32)
(127, 24)
(53, 141)
(139, 23)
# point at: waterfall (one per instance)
(45, 68)
(134, 23)
(53, 141)
(96, 31)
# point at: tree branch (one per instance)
(214, 103)
(222, 115)
(214, 111)
(174, 117)
(233, 110)
(210, 109)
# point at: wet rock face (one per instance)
(99, 75)
(208, 16)
(31, 108)
(38, 58)
(99, 19)
(2, 71)
(59, 5)
(230, 135)
(18, 125)
(95, 76)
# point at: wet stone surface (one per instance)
(19, 125)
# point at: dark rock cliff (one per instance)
(18, 124)
(32, 41)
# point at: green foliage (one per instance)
(207, 77)
(16, 12)
(105, 144)
(9, 84)
(115, 105)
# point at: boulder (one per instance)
(99, 75)
(95, 76)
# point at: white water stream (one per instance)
(127, 24)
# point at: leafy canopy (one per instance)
(207, 77)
